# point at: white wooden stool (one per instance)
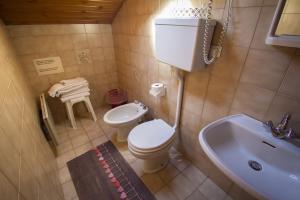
(69, 106)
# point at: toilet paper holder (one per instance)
(158, 89)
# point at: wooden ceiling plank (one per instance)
(49, 11)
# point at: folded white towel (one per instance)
(53, 90)
(58, 89)
(72, 81)
(84, 94)
(81, 90)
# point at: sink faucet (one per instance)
(281, 131)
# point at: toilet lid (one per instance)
(150, 135)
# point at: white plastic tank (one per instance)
(179, 42)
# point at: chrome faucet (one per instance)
(281, 131)
(141, 104)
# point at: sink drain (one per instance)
(254, 165)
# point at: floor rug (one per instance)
(103, 174)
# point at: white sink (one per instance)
(233, 141)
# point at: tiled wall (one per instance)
(27, 165)
(40, 41)
(250, 77)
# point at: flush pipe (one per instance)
(180, 78)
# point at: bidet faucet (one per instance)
(143, 106)
(281, 131)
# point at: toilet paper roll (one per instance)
(157, 90)
(156, 87)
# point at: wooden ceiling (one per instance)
(58, 11)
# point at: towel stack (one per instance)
(70, 89)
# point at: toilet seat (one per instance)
(151, 136)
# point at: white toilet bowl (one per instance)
(124, 118)
(151, 141)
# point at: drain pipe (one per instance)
(180, 77)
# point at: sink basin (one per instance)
(245, 150)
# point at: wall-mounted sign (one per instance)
(50, 65)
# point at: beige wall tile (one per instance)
(219, 96)
(194, 92)
(252, 100)
(270, 2)
(18, 31)
(7, 190)
(23, 146)
(247, 3)
(92, 28)
(25, 45)
(10, 160)
(242, 29)
(219, 90)
(38, 41)
(74, 28)
(79, 41)
(27, 181)
(63, 43)
(94, 40)
(230, 64)
(265, 68)
(291, 81)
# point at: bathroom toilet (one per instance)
(125, 118)
(151, 141)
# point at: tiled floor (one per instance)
(178, 181)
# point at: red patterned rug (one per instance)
(103, 173)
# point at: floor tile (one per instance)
(228, 197)
(80, 140)
(179, 162)
(178, 181)
(211, 191)
(60, 126)
(100, 140)
(196, 195)
(194, 174)
(182, 187)
(165, 194)
(94, 133)
(76, 132)
(153, 182)
(64, 175)
(64, 147)
(69, 190)
(62, 137)
(168, 173)
(64, 158)
(83, 148)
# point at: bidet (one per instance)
(125, 118)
